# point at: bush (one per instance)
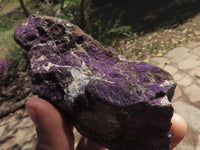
(105, 33)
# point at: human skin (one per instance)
(74, 71)
(55, 132)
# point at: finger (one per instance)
(86, 144)
(178, 130)
(52, 131)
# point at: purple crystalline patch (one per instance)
(118, 103)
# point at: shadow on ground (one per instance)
(146, 15)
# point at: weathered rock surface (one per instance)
(117, 103)
(4, 77)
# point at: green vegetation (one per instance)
(107, 33)
(8, 47)
(15, 52)
(107, 21)
(8, 20)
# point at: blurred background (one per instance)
(164, 33)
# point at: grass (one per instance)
(111, 24)
(14, 52)
(6, 43)
(8, 22)
(11, 19)
(8, 47)
(6, 37)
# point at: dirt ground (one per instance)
(16, 129)
(5, 9)
(159, 42)
(9, 17)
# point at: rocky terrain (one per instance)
(17, 130)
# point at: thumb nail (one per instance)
(33, 114)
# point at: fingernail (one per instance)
(33, 114)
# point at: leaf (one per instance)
(168, 62)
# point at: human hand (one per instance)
(178, 130)
(55, 132)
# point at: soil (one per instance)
(159, 42)
(17, 130)
(9, 7)
(6, 41)
(3, 51)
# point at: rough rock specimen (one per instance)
(6, 79)
(4, 66)
(118, 103)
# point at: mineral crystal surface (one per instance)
(4, 66)
(118, 103)
(6, 78)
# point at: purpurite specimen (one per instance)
(118, 103)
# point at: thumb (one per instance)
(178, 130)
(52, 131)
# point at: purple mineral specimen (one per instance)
(118, 103)
(5, 80)
(4, 66)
